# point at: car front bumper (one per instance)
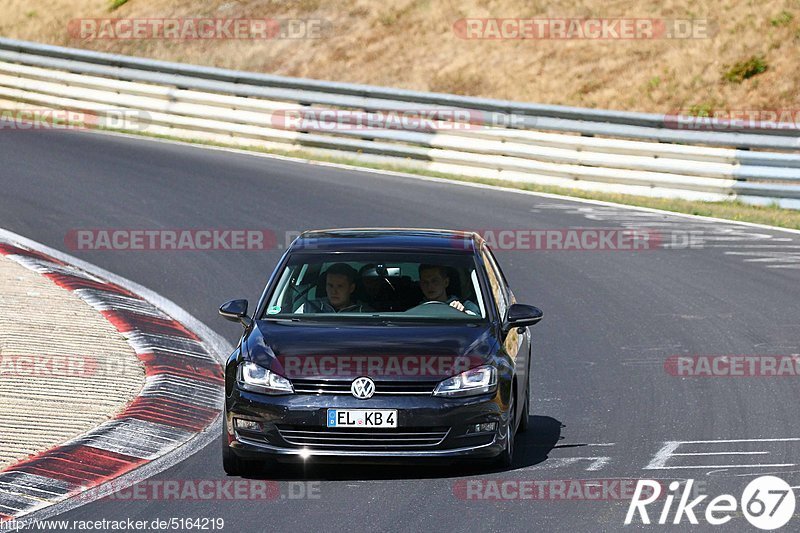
(421, 421)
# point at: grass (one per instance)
(746, 69)
(115, 4)
(729, 210)
(701, 110)
(783, 19)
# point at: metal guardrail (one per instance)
(633, 153)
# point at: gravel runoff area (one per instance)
(64, 369)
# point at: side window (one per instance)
(496, 282)
(497, 268)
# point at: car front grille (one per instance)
(359, 439)
(342, 386)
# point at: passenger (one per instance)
(340, 282)
(433, 281)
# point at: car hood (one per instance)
(287, 346)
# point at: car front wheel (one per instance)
(506, 457)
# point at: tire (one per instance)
(524, 421)
(231, 463)
(506, 457)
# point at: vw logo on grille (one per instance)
(363, 388)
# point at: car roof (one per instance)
(387, 239)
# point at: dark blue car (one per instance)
(379, 343)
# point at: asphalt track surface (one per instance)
(602, 403)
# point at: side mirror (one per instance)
(236, 311)
(521, 315)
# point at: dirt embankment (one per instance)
(741, 56)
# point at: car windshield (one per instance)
(378, 286)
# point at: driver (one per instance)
(433, 280)
(340, 282)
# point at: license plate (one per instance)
(362, 418)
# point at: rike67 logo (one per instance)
(767, 502)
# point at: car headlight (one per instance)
(258, 379)
(479, 380)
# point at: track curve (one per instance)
(603, 404)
